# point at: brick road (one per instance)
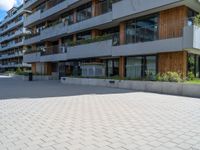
(43, 115)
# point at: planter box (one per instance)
(40, 78)
(181, 89)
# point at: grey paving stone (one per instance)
(48, 115)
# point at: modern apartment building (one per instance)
(12, 40)
(126, 38)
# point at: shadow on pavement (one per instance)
(13, 88)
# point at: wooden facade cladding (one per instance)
(48, 68)
(33, 68)
(172, 21)
(173, 61)
(122, 67)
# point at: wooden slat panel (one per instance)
(172, 21)
(174, 61)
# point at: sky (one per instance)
(6, 5)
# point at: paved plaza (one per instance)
(47, 115)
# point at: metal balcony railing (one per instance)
(53, 50)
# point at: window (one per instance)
(134, 67)
(142, 29)
(84, 12)
(194, 64)
(141, 67)
(191, 15)
(84, 35)
(103, 6)
(68, 18)
(150, 69)
(112, 68)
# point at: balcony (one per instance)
(32, 18)
(92, 22)
(96, 49)
(9, 37)
(32, 38)
(51, 10)
(62, 28)
(188, 40)
(137, 6)
(29, 3)
(13, 25)
(53, 54)
(31, 57)
(15, 65)
(12, 17)
(191, 39)
(54, 31)
(12, 45)
(13, 55)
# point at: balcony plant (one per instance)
(96, 39)
(197, 20)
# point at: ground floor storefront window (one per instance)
(194, 64)
(141, 67)
(112, 67)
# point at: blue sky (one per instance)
(5, 5)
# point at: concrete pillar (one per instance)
(94, 11)
(121, 67)
(122, 35)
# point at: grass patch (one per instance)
(195, 81)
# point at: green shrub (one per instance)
(96, 39)
(191, 76)
(18, 71)
(197, 20)
(169, 77)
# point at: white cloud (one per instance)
(8, 4)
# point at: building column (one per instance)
(74, 16)
(95, 33)
(122, 28)
(122, 67)
(60, 42)
(33, 68)
(74, 38)
(94, 11)
(48, 68)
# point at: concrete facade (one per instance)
(58, 24)
(12, 35)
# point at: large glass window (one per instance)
(191, 15)
(194, 64)
(112, 67)
(68, 18)
(141, 67)
(142, 29)
(150, 70)
(134, 67)
(84, 12)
